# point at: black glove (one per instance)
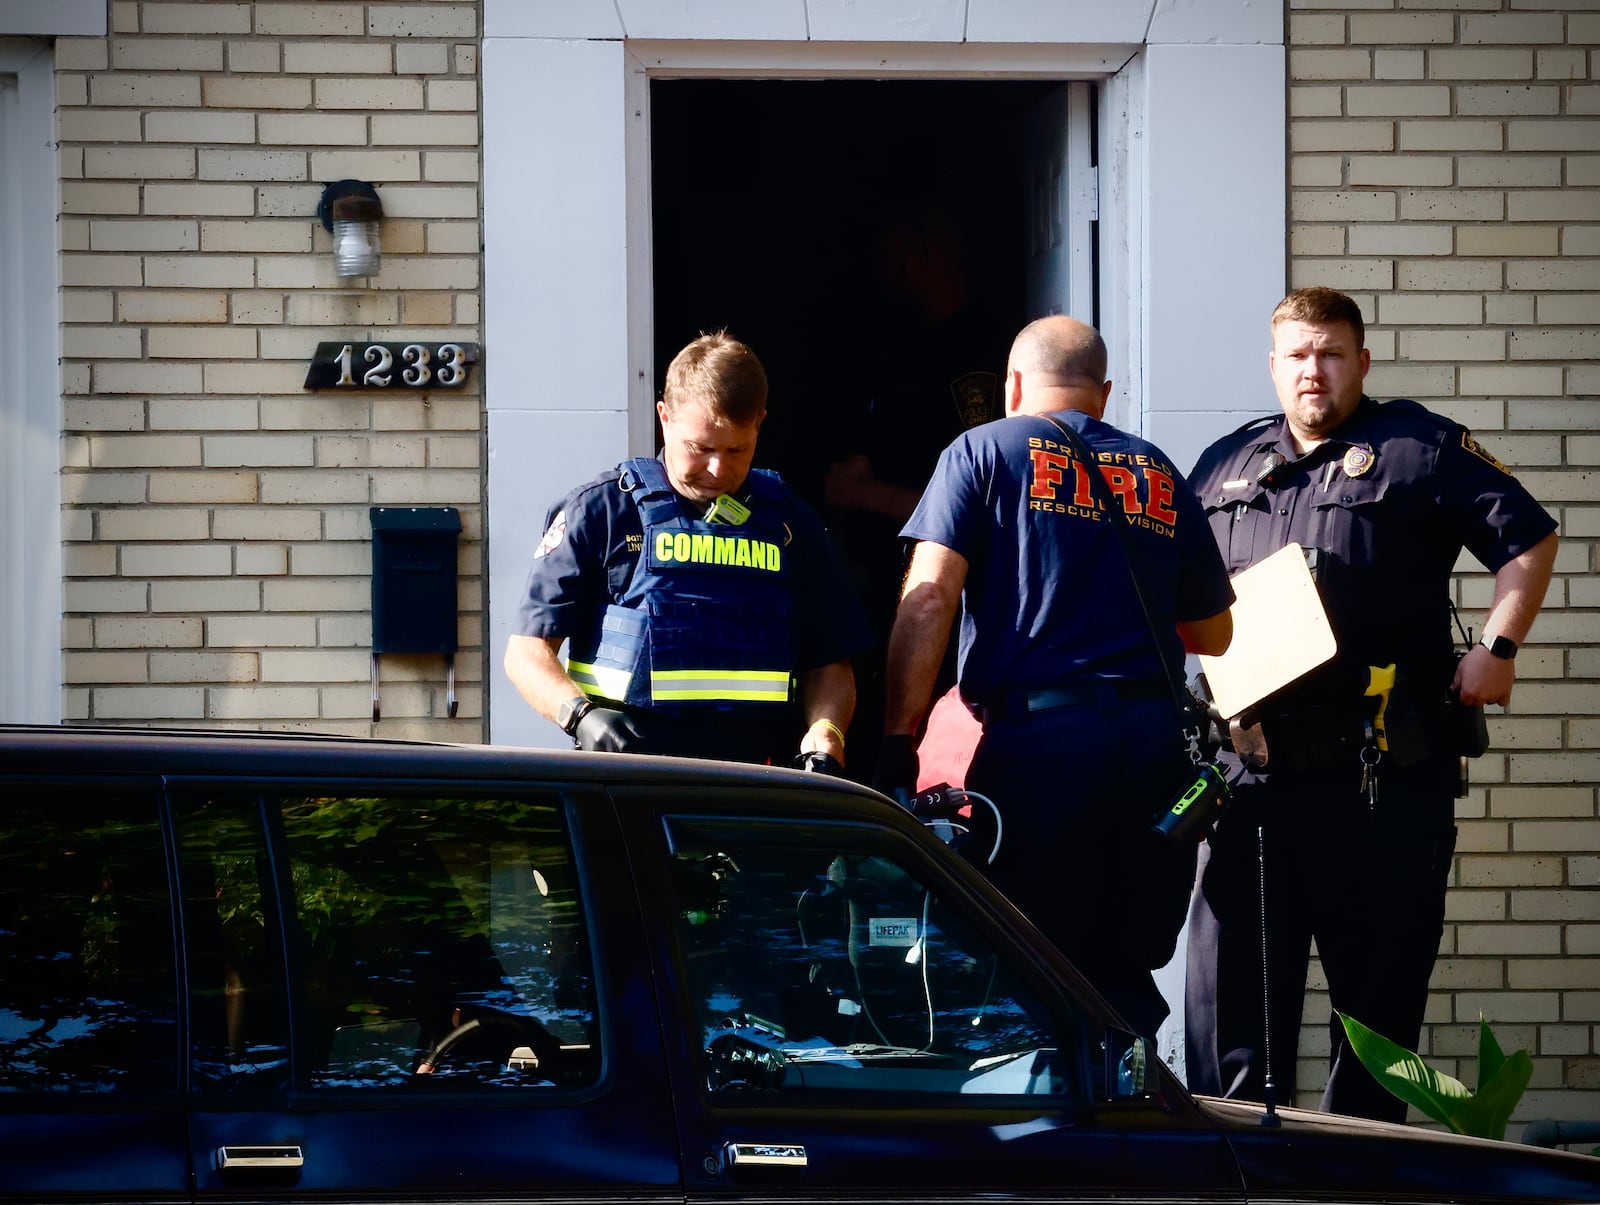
(607, 730)
(819, 762)
(896, 772)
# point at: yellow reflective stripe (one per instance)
(600, 681)
(760, 686)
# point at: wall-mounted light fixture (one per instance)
(350, 211)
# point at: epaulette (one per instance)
(1256, 422)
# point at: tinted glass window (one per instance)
(813, 969)
(88, 1000)
(434, 942)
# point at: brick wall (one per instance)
(218, 550)
(1445, 169)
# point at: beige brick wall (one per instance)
(1445, 169)
(218, 552)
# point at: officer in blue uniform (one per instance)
(1357, 839)
(702, 600)
(1082, 739)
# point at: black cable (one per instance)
(1270, 1117)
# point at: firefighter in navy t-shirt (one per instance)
(1082, 740)
(702, 600)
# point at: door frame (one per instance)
(1192, 245)
(31, 588)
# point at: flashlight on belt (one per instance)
(1190, 815)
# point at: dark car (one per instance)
(281, 969)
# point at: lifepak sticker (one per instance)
(554, 534)
(892, 931)
(1478, 450)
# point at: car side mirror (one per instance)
(1128, 1063)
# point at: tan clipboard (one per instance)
(1280, 631)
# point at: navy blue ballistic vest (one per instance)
(705, 619)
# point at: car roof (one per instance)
(97, 750)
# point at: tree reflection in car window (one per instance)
(88, 995)
(436, 943)
(442, 938)
(813, 969)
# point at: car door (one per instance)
(853, 1011)
(91, 1106)
(405, 991)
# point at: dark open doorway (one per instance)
(770, 201)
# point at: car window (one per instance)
(88, 996)
(816, 969)
(434, 942)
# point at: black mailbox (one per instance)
(414, 586)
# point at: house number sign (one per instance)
(391, 365)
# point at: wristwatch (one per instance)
(1502, 647)
(573, 710)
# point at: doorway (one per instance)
(776, 209)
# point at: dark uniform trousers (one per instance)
(1377, 938)
(1078, 789)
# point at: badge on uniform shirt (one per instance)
(1483, 453)
(554, 534)
(1358, 460)
(974, 395)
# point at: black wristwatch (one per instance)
(1502, 647)
(573, 710)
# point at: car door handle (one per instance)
(259, 1158)
(766, 1154)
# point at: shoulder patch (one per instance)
(553, 535)
(1481, 452)
(974, 396)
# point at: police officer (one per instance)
(1081, 739)
(695, 591)
(935, 373)
(1357, 839)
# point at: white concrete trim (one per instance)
(53, 18)
(1155, 22)
(31, 587)
(878, 60)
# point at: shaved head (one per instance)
(1060, 351)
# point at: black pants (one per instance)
(1367, 882)
(762, 734)
(1078, 789)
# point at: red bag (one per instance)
(948, 744)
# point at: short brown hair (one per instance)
(722, 374)
(1320, 304)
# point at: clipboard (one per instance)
(1280, 631)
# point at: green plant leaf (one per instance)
(1486, 1113)
(1490, 1056)
(1405, 1075)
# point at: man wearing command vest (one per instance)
(706, 611)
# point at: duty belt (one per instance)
(1106, 694)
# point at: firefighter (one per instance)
(1082, 741)
(706, 611)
